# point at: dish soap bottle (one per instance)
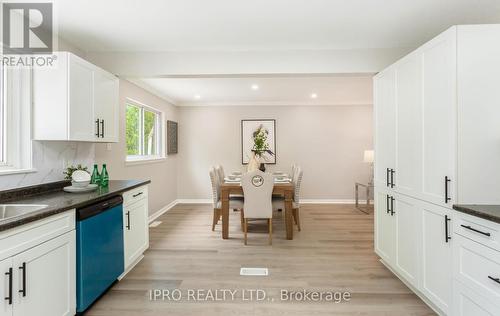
(104, 176)
(96, 177)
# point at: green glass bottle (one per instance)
(104, 176)
(96, 177)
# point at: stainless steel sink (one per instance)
(13, 210)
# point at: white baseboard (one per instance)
(162, 211)
(194, 201)
(332, 201)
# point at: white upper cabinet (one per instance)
(478, 90)
(385, 126)
(408, 101)
(75, 101)
(439, 111)
(106, 115)
(80, 100)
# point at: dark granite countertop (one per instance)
(489, 212)
(58, 201)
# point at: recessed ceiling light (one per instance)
(314, 95)
(197, 96)
(255, 87)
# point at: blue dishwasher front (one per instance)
(100, 258)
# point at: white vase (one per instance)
(253, 164)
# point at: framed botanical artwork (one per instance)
(172, 137)
(258, 136)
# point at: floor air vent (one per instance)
(254, 271)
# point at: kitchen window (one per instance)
(144, 133)
(15, 120)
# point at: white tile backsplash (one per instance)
(50, 160)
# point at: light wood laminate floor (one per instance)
(333, 252)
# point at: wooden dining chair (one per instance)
(216, 198)
(221, 175)
(258, 189)
(279, 203)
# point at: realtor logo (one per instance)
(27, 28)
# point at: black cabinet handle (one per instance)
(388, 198)
(102, 132)
(475, 230)
(387, 177)
(497, 280)
(98, 134)
(9, 298)
(23, 268)
(446, 181)
(136, 195)
(392, 206)
(392, 178)
(128, 220)
(446, 235)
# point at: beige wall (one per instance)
(327, 141)
(163, 175)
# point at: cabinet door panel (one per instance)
(81, 113)
(385, 124)
(468, 303)
(106, 104)
(5, 308)
(437, 255)
(385, 232)
(439, 118)
(408, 233)
(136, 233)
(408, 97)
(50, 278)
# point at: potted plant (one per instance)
(70, 169)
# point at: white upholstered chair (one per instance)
(279, 203)
(216, 198)
(258, 188)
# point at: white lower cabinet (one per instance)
(476, 266)
(6, 288)
(46, 277)
(136, 228)
(39, 277)
(385, 234)
(407, 215)
(436, 282)
(410, 237)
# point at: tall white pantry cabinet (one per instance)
(437, 143)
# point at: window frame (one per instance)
(15, 107)
(159, 129)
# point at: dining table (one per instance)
(285, 189)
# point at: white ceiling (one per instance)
(330, 90)
(160, 25)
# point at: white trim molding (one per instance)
(162, 211)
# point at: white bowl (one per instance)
(80, 184)
(80, 179)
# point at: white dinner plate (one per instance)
(89, 188)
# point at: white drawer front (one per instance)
(137, 194)
(16, 240)
(483, 231)
(478, 267)
(469, 303)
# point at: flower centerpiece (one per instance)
(261, 146)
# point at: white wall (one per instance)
(163, 175)
(327, 141)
